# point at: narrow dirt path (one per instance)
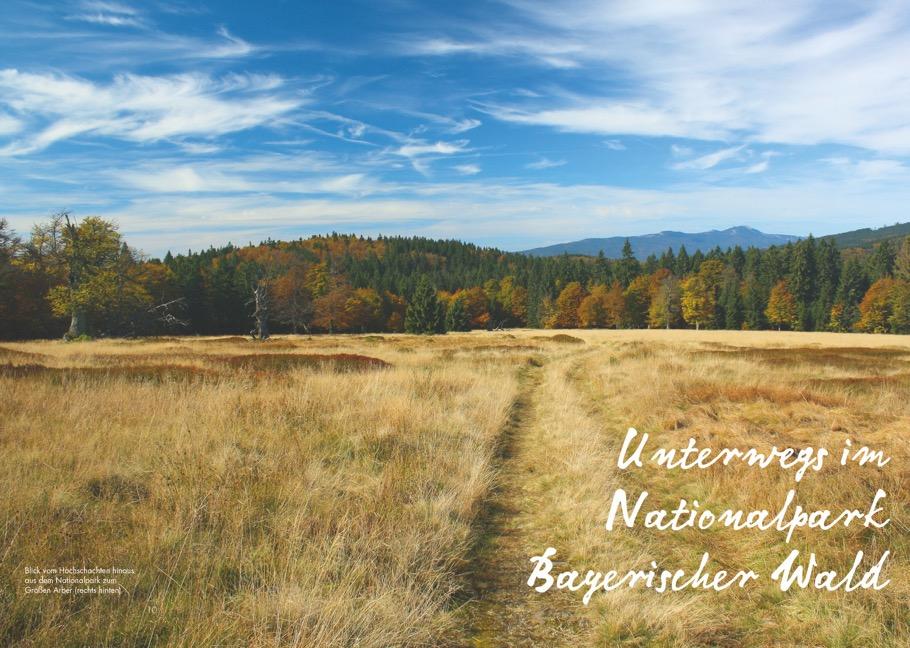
(505, 611)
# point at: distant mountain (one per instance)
(868, 237)
(643, 246)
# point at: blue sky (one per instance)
(515, 123)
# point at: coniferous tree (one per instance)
(602, 273)
(425, 313)
(850, 291)
(730, 300)
(881, 263)
(754, 299)
(457, 316)
(828, 270)
(902, 261)
(801, 281)
(628, 267)
(683, 263)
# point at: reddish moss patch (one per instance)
(709, 393)
(139, 373)
(288, 361)
(561, 338)
(868, 382)
(15, 354)
(504, 347)
(841, 358)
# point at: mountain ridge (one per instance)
(657, 243)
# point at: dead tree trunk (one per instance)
(78, 320)
(261, 314)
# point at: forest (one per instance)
(80, 279)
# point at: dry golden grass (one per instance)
(336, 490)
(261, 503)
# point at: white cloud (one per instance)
(419, 148)
(139, 108)
(464, 125)
(467, 169)
(421, 153)
(9, 125)
(614, 145)
(710, 160)
(681, 151)
(113, 14)
(107, 19)
(880, 169)
(758, 167)
(109, 7)
(266, 175)
(789, 72)
(545, 163)
(613, 118)
(549, 52)
(232, 48)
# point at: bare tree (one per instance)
(261, 312)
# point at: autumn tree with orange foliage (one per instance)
(292, 299)
(565, 312)
(782, 309)
(877, 307)
(592, 312)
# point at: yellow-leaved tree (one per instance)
(565, 313)
(781, 309)
(877, 307)
(101, 283)
(698, 301)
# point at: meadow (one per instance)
(389, 490)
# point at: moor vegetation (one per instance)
(388, 490)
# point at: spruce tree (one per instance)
(730, 301)
(683, 263)
(881, 263)
(457, 317)
(424, 314)
(754, 298)
(802, 281)
(853, 285)
(902, 262)
(629, 267)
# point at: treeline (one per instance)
(80, 277)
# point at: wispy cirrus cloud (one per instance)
(545, 163)
(774, 71)
(9, 125)
(467, 169)
(420, 153)
(709, 160)
(112, 14)
(138, 108)
(612, 118)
